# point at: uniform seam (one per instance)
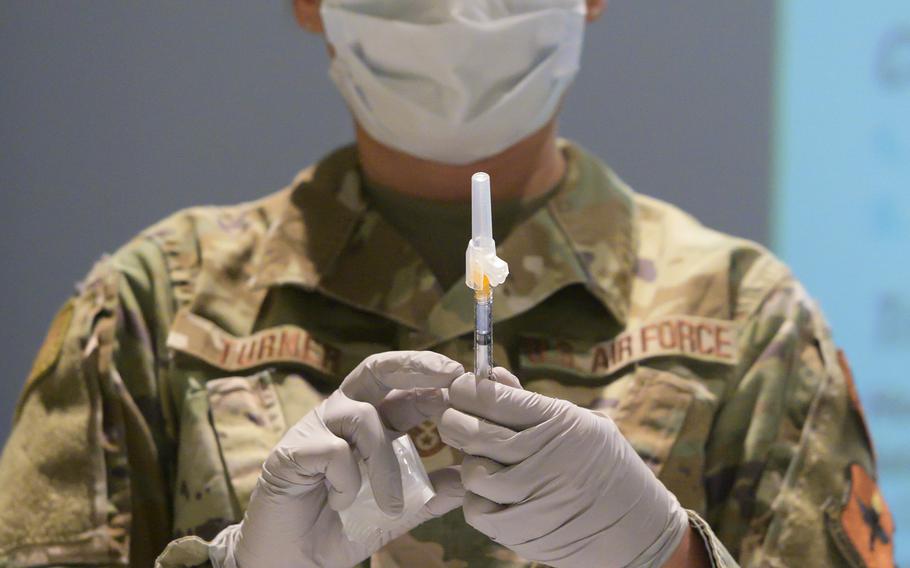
(736, 373)
(162, 358)
(103, 334)
(799, 458)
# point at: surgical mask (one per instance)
(453, 81)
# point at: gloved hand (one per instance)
(313, 472)
(556, 483)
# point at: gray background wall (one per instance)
(113, 114)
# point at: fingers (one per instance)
(293, 469)
(510, 525)
(482, 514)
(401, 410)
(449, 491)
(514, 524)
(504, 376)
(498, 483)
(478, 437)
(449, 495)
(379, 374)
(359, 424)
(343, 476)
(508, 406)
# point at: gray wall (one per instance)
(113, 114)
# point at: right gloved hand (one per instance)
(292, 519)
(557, 483)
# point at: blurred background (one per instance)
(786, 124)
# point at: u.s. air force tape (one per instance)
(200, 338)
(704, 339)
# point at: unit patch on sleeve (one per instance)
(197, 336)
(705, 339)
(866, 520)
(854, 396)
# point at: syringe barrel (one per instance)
(483, 335)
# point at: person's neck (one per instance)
(529, 168)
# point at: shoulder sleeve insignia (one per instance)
(51, 348)
(854, 396)
(866, 520)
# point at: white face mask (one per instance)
(453, 81)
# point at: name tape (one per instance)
(200, 338)
(705, 339)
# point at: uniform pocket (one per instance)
(203, 500)
(250, 415)
(667, 419)
(227, 429)
(248, 423)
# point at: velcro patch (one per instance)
(197, 336)
(854, 396)
(50, 350)
(867, 521)
(53, 342)
(705, 339)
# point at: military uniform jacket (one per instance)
(165, 381)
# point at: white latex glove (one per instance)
(313, 472)
(554, 482)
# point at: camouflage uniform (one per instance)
(166, 380)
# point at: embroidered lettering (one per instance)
(688, 336)
(196, 336)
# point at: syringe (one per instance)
(483, 272)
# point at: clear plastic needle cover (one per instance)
(480, 258)
(483, 272)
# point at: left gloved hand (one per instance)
(554, 482)
(312, 473)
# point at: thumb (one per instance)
(401, 409)
(449, 491)
(449, 495)
(504, 376)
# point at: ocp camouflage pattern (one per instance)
(132, 432)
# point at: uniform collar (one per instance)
(330, 241)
